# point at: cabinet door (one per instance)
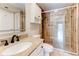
(37, 14)
(38, 9)
(6, 21)
(33, 12)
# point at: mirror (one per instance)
(12, 18)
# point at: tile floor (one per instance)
(58, 52)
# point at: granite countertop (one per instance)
(35, 43)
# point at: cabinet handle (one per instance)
(38, 16)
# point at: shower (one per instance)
(59, 28)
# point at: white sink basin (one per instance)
(17, 48)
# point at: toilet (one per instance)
(47, 48)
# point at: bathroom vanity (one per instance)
(18, 22)
(33, 47)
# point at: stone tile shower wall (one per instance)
(69, 22)
(70, 29)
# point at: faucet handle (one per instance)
(6, 42)
(17, 38)
(3, 41)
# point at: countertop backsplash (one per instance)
(8, 37)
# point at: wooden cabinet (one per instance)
(33, 19)
(35, 14)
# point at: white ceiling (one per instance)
(51, 6)
(44, 6)
(19, 5)
(13, 7)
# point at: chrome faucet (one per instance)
(12, 41)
